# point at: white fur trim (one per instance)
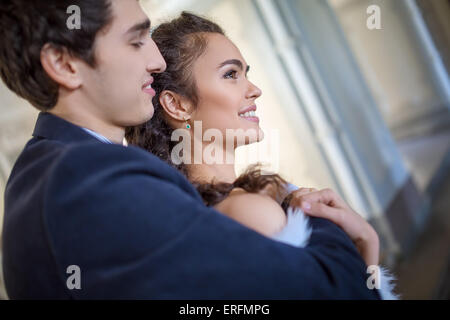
(291, 187)
(387, 286)
(297, 231)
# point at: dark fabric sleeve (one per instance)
(123, 218)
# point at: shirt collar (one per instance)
(97, 135)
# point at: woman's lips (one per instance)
(250, 118)
(248, 109)
(249, 114)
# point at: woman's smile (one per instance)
(249, 113)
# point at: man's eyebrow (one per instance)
(236, 62)
(141, 26)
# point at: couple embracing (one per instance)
(137, 223)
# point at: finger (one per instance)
(325, 196)
(298, 197)
(289, 199)
(303, 191)
(321, 210)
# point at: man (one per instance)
(87, 218)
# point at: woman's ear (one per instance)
(60, 66)
(175, 106)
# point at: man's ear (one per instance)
(60, 66)
(175, 106)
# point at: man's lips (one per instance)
(147, 87)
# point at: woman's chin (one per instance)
(256, 136)
(260, 135)
(254, 133)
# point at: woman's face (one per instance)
(226, 98)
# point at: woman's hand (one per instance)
(329, 205)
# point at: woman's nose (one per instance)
(253, 91)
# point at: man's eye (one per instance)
(138, 44)
(232, 74)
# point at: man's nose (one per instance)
(156, 62)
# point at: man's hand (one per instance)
(329, 205)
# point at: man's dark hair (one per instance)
(26, 26)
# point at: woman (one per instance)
(205, 87)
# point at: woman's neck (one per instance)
(215, 172)
(208, 173)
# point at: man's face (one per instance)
(117, 90)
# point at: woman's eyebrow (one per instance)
(235, 62)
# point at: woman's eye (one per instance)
(232, 74)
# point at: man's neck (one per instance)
(112, 133)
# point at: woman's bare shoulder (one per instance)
(257, 211)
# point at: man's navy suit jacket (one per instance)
(137, 229)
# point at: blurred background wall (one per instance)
(365, 112)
